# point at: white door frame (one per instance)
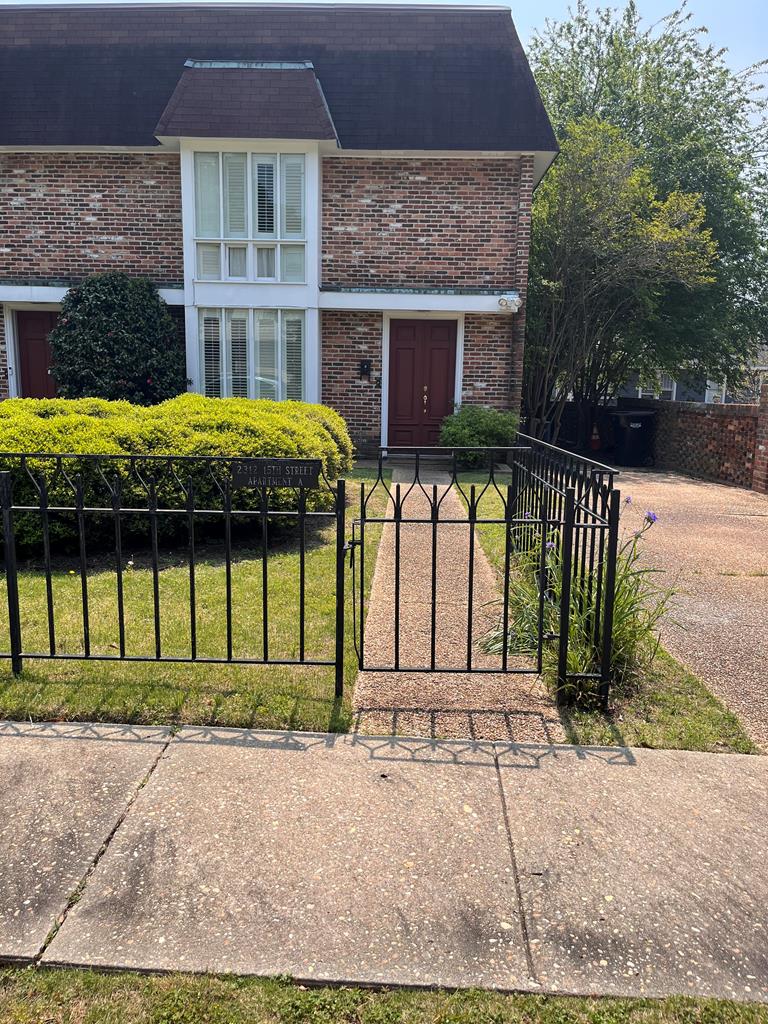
(387, 319)
(10, 309)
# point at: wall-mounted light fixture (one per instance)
(365, 369)
(510, 303)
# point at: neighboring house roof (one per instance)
(395, 78)
(239, 100)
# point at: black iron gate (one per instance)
(556, 518)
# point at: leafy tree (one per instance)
(116, 339)
(702, 130)
(603, 247)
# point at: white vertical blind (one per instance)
(266, 356)
(234, 167)
(207, 196)
(293, 354)
(210, 332)
(265, 261)
(237, 350)
(264, 168)
(209, 261)
(292, 193)
(237, 261)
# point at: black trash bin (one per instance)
(633, 431)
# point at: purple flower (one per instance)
(550, 545)
(628, 499)
(527, 515)
(651, 517)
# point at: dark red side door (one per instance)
(422, 371)
(32, 329)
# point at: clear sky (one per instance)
(739, 25)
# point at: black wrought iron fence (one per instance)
(109, 504)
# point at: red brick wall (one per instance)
(492, 361)
(64, 216)
(346, 338)
(426, 223)
(760, 474)
(714, 442)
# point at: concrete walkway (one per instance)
(491, 706)
(711, 542)
(394, 861)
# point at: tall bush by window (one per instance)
(116, 339)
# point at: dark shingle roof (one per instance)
(394, 77)
(237, 100)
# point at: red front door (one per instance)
(422, 373)
(32, 329)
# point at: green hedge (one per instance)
(183, 426)
(478, 426)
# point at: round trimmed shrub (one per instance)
(478, 426)
(115, 339)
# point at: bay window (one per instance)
(259, 201)
(252, 353)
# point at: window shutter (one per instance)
(264, 196)
(207, 205)
(292, 191)
(209, 262)
(235, 203)
(293, 353)
(210, 330)
(292, 263)
(265, 339)
(237, 345)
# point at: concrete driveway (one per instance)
(711, 541)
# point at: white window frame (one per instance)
(225, 356)
(252, 239)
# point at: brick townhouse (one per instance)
(335, 200)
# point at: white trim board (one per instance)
(26, 293)
(387, 318)
(421, 302)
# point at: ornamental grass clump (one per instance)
(639, 606)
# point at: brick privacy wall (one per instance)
(426, 223)
(64, 216)
(713, 442)
(346, 338)
(760, 472)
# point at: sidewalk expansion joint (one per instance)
(515, 872)
(77, 892)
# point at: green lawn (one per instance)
(32, 996)
(668, 708)
(275, 697)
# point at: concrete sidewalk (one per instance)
(384, 860)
